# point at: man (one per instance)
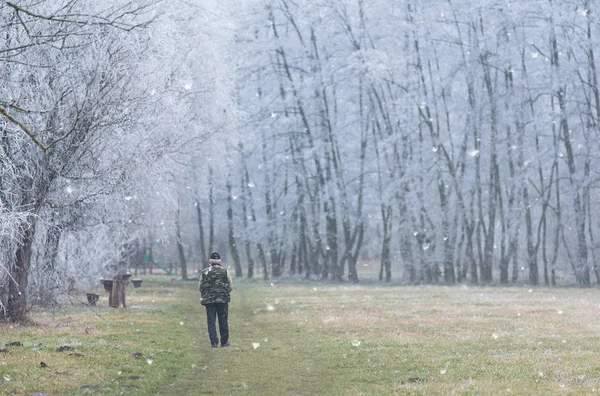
(215, 288)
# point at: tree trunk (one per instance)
(332, 244)
(16, 306)
(245, 202)
(203, 253)
(582, 270)
(386, 263)
(263, 259)
(211, 211)
(180, 249)
(232, 244)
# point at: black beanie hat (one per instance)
(215, 256)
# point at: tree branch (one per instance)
(100, 21)
(24, 128)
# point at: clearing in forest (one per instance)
(310, 338)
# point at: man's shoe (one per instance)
(214, 346)
(225, 345)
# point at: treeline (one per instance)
(460, 139)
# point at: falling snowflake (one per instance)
(474, 153)
(560, 312)
(270, 308)
(495, 336)
(443, 371)
(255, 345)
(181, 323)
(150, 361)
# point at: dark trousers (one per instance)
(212, 312)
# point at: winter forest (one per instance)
(444, 141)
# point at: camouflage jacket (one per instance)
(215, 285)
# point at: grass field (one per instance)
(309, 338)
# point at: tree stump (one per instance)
(114, 293)
(108, 286)
(119, 291)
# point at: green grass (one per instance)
(134, 350)
(317, 339)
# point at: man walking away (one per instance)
(215, 288)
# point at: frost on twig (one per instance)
(109, 17)
(23, 127)
(62, 29)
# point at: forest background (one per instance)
(447, 142)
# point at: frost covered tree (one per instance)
(101, 103)
(69, 84)
(459, 137)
